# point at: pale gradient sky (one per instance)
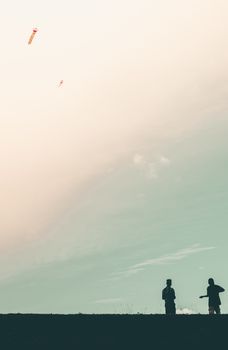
(116, 180)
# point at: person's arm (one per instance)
(163, 294)
(220, 289)
(174, 295)
(205, 296)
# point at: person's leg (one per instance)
(211, 310)
(169, 309)
(217, 310)
(174, 309)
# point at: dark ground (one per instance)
(28, 331)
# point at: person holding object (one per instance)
(214, 301)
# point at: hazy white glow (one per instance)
(185, 311)
(131, 69)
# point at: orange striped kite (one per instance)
(60, 83)
(32, 36)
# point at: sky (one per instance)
(116, 180)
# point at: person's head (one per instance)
(211, 282)
(169, 282)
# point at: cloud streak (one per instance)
(164, 260)
(179, 255)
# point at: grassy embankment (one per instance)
(19, 331)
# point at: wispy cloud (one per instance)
(179, 255)
(138, 159)
(150, 167)
(164, 160)
(164, 259)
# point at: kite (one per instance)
(60, 83)
(32, 36)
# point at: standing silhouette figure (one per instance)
(168, 294)
(214, 301)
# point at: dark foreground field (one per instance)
(20, 331)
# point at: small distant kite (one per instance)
(32, 36)
(60, 83)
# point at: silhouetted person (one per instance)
(168, 294)
(214, 301)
